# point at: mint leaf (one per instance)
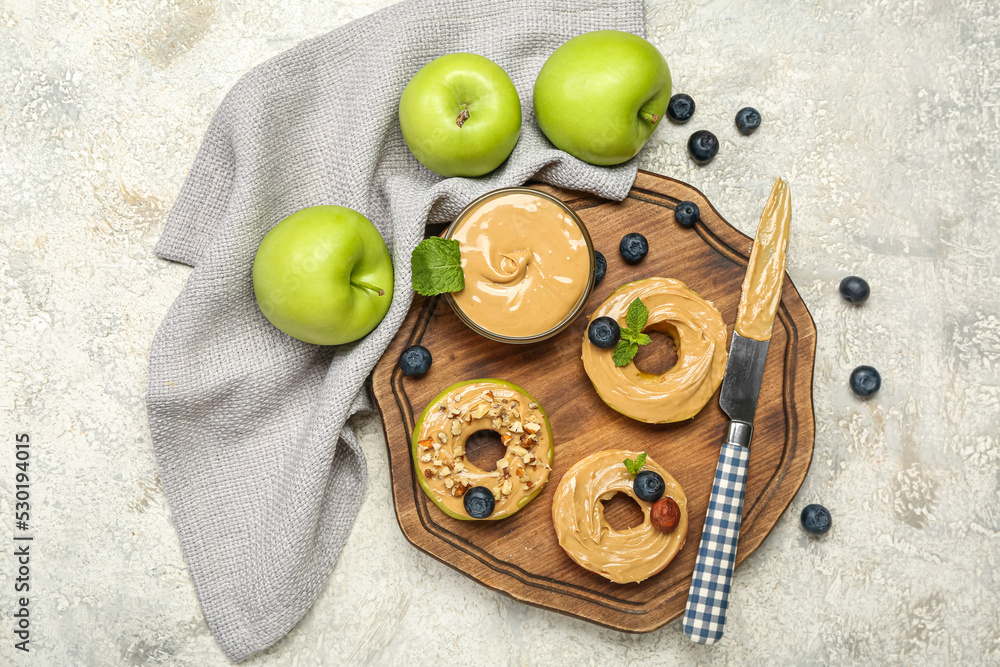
(624, 352)
(636, 316)
(437, 267)
(634, 467)
(632, 336)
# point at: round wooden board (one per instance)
(519, 556)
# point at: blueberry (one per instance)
(479, 502)
(854, 289)
(604, 333)
(415, 360)
(602, 267)
(816, 519)
(703, 146)
(687, 214)
(633, 248)
(648, 486)
(865, 381)
(747, 120)
(681, 108)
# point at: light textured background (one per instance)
(883, 115)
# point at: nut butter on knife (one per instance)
(708, 598)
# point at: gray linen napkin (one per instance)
(263, 477)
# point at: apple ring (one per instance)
(699, 336)
(622, 556)
(438, 446)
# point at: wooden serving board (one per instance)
(519, 556)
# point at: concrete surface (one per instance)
(883, 115)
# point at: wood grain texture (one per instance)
(519, 556)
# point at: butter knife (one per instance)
(708, 597)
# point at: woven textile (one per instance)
(263, 477)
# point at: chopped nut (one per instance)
(528, 484)
(425, 444)
(456, 427)
(502, 463)
(505, 439)
(533, 405)
(516, 427)
(519, 451)
(442, 407)
(518, 468)
(459, 490)
(428, 473)
(426, 458)
(436, 463)
(488, 395)
(459, 451)
(445, 472)
(503, 400)
(480, 410)
(494, 410)
(532, 427)
(442, 437)
(448, 483)
(505, 489)
(458, 466)
(437, 446)
(496, 423)
(454, 412)
(496, 493)
(528, 457)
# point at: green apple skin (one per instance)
(436, 96)
(415, 449)
(600, 95)
(318, 273)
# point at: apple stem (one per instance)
(651, 117)
(369, 286)
(463, 116)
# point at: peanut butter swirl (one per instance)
(438, 446)
(623, 556)
(526, 261)
(699, 336)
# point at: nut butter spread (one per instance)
(699, 336)
(463, 409)
(623, 556)
(766, 271)
(526, 261)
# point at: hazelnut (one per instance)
(665, 514)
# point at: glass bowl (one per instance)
(577, 307)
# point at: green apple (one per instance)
(460, 115)
(415, 448)
(323, 275)
(600, 95)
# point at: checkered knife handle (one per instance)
(708, 598)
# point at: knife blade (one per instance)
(708, 597)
